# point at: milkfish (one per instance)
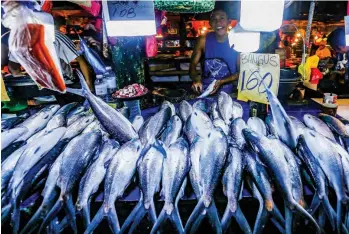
(137, 122)
(26, 170)
(118, 176)
(149, 170)
(74, 162)
(219, 123)
(170, 105)
(208, 90)
(9, 136)
(202, 105)
(232, 185)
(119, 127)
(236, 127)
(318, 125)
(9, 123)
(214, 114)
(257, 125)
(269, 122)
(273, 156)
(213, 152)
(298, 125)
(175, 169)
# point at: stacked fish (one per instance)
(60, 150)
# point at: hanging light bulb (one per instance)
(242, 40)
(204, 28)
(261, 16)
(296, 40)
(298, 34)
(203, 31)
(316, 37)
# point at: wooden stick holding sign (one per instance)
(254, 70)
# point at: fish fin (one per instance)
(78, 92)
(331, 214)
(321, 217)
(53, 212)
(289, 220)
(95, 221)
(70, 210)
(162, 217)
(197, 223)
(131, 216)
(261, 219)
(241, 190)
(85, 213)
(199, 208)
(214, 218)
(305, 214)
(62, 225)
(140, 215)
(346, 226)
(226, 220)
(16, 214)
(113, 220)
(181, 191)
(277, 215)
(176, 220)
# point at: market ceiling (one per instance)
(325, 11)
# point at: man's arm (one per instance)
(195, 59)
(86, 71)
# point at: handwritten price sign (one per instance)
(256, 69)
(128, 10)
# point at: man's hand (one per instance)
(217, 85)
(197, 87)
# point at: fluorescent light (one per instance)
(244, 41)
(261, 16)
(347, 40)
(131, 28)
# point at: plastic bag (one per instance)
(315, 76)
(305, 69)
(151, 46)
(31, 43)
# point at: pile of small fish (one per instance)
(60, 150)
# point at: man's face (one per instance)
(219, 22)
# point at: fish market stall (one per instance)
(136, 147)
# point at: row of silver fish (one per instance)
(69, 148)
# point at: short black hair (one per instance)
(220, 8)
(59, 21)
(286, 43)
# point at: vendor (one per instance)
(323, 52)
(220, 60)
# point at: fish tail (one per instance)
(176, 220)
(322, 218)
(315, 203)
(275, 212)
(289, 220)
(132, 216)
(347, 219)
(84, 85)
(85, 213)
(162, 217)
(199, 208)
(53, 212)
(197, 223)
(339, 216)
(95, 221)
(16, 215)
(306, 214)
(33, 222)
(278, 225)
(214, 218)
(226, 220)
(70, 210)
(141, 213)
(113, 220)
(261, 219)
(331, 214)
(78, 92)
(241, 220)
(62, 225)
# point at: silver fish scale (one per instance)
(185, 110)
(76, 157)
(219, 123)
(257, 125)
(96, 172)
(149, 172)
(211, 164)
(194, 173)
(214, 111)
(121, 170)
(176, 166)
(335, 125)
(78, 127)
(318, 125)
(236, 128)
(172, 131)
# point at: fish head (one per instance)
(185, 110)
(256, 124)
(170, 105)
(201, 104)
(200, 122)
(251, 136)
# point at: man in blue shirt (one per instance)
(220, 60)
